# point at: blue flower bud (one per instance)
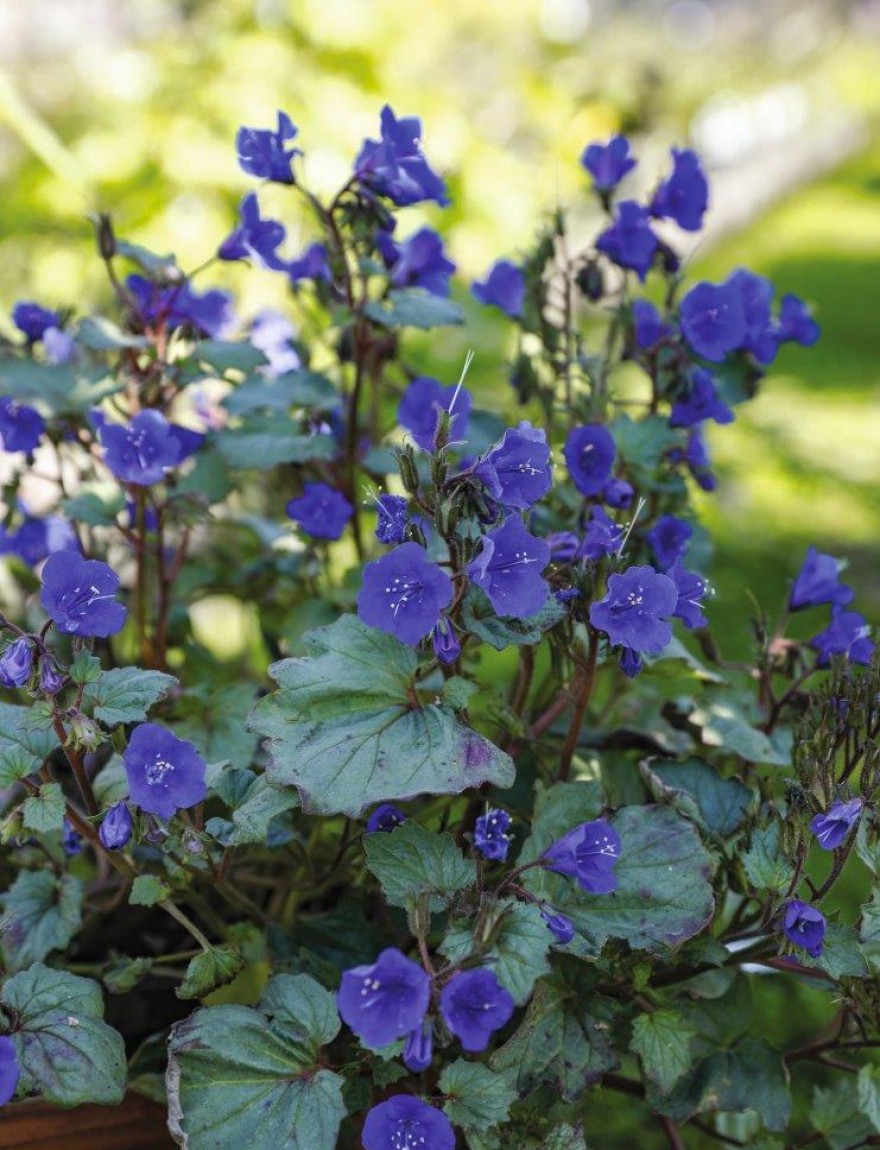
(115, 831)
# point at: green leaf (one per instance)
(121, 975)
(698, 791)
(345, 727)
(95, 504)
(239, 1078)
(410, 862)
(102, 334)
(837, 1114)
(724, 724)
(477, 1097)
(557, 809)
(147, 890)
(253, 814)
(766, 866)
(414, 307)
(294, 389)
(229, 355)
(214, 720)
(42, 913)
(558, 1045)
(869, 935)
(67, 1053)
(663, 1041)
(501, 631)
(157, 267)
(45, 811)
(210, 969)
(842, 956)
(565, 1137)
(642, 442)
(126, 694)
(457, 692)
(515, 944)
(26, 741)
(262, 442)
(85, 668)
(56, 389)
(869, 1094)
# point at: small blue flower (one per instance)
(407, 1123)
(696, 456)
(504, 287)
(391, 518)
(37, 538)
(21, 427)
(635, 610)
(51, 679)
(833, 827)
(255, 238)
(272, 333)
(149, 446)
(589, 456)
(473, 1005)
(386, 1000)
(847, 634)
(756, 293)
(32, 320)
(403, 593)
(59, 346)
(564, 546)
(684, 195)
(385, 818)
(10, 1072)
(508, 568)
(313, 264)
(263, 153)
(648, 328)
(608, 163)
(601, 538)
(701, 403)
(796, 324)
(669, 539)
(516, 471)
(71, 840)
(818, 582)
(210, 314)
(421, 405)
(804, 925)
(116, 827)
(588, 854)
(16, 663)
(629, 242)
(80, 596)
(561, 927)
(712, 320)
(447, 646)
(418, 1052)
(165, 774)
(630, 662)
(321, 511)
(692, 589)
(421, 262)
(618, 493)
(395, 166)
(491, 836)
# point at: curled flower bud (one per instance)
(16, 663)
(115, 831)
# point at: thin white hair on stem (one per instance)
(639, 508)
(468, 360)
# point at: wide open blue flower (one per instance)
(796, 324)
(421, 261)
(701, 403)
(395, 166)
(17, 663)
(684, 195)
(516, 471)
(385, 1000)
(37, 538)
(601, 538)
(474, 1005)
(321, 511)
(264, 154)
(421, 405)
(608, 163)
(407, 1123)
(255, 238)
(142, 451)
(669, 539)
(504, 287)
(635, 610)
(508, 568)
(588, 854)
(589, 456)
(491, 836)
(116, 827)
(630, 242)
(80, 596)
(10, 1071)
(165, 774)
(847, 634)
(32, 320)
(713, 320)
(210, 313)
(21, 427)
(818, 582)
(804, 925)
(404, 593)
(833, 826)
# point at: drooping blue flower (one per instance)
(386, 1000)
(696, 456)
(80, 596)
(618, 493)
(833, 826)
(630, 662)
(818, 582)
(32, 320)
(562, 928)
(418, 1052)
(516, 471)
(21, 427)
(701, 403)
(636, 609)
(263, 153)
(669, 539)
(847, 634)
(601, 538)
(491, 836)
(684, 195)
(403, 593)
(504, 287)
(692, 589)
(421, 405)
(508, 568)
(712, 320)
(630, 242)
(51, 679)
(10, 1072)
(116, 827)
(385, 818)
(210, 314)
(422, 262)
(395, 166)
(71, 840)
(165, 774)
(142, 451)
(255, 238)
(804, 925)
(16, 663)
(391, 518)
(474, 1005)
(321, 511)
(608, 163)
(59, 346)
(588, 854)
(272, 333)
(407, 1123)
(447, 646)
(648, 327)
(564, 546)
(796, 324)
(313, 264)
(37, 538)
(756, 292)
(589, 457)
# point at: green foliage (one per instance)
(210, 969)
(414, 307)
(477, 1098)
(147, 890)
(412, 863)
(662, 1039)
(514, 942)
(44, 811)
(694, 787)
(42, 913)
(126, 694)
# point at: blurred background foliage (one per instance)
(132, 108)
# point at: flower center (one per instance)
(401, 591)
(409, 1135)
(157, 770)
(77, 600)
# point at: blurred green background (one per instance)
(132, 108)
